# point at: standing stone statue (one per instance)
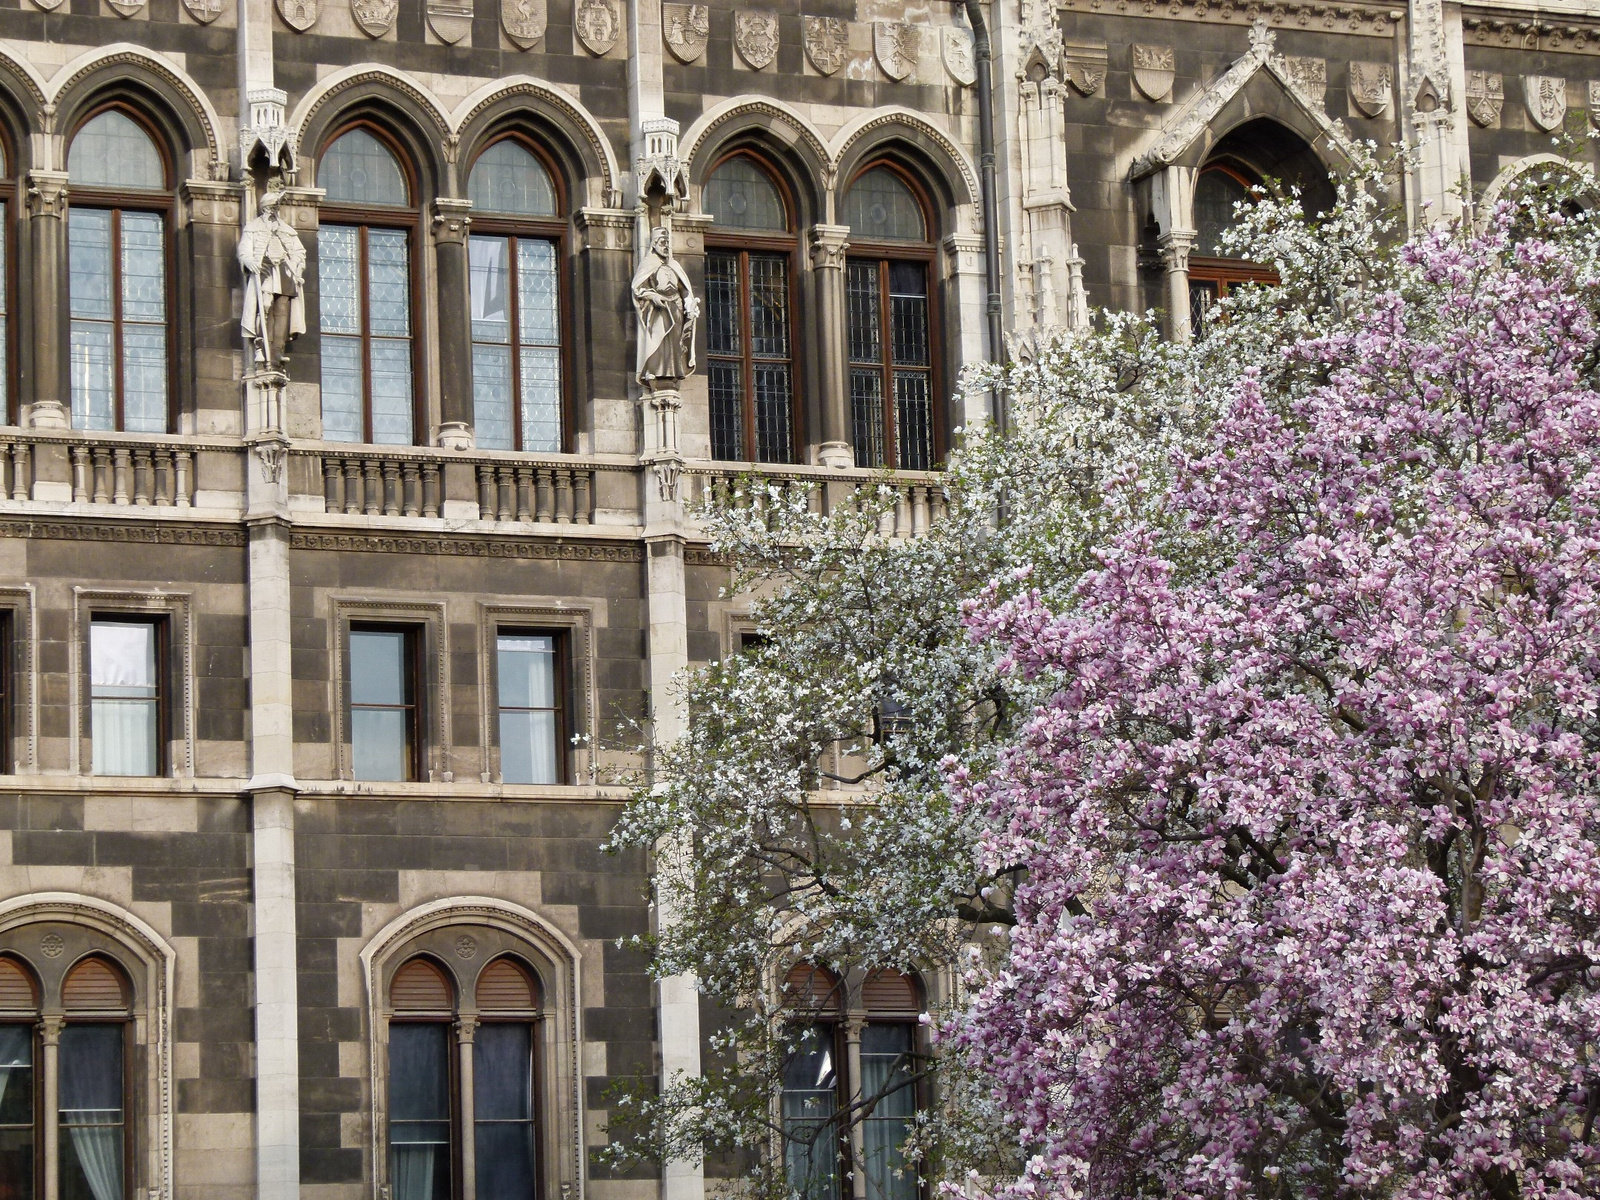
(667, 310)
(274, 262)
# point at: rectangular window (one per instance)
(502, 1067)
(117, 283)
(8, 723)
(419, 1111)
(747, 339)
(5, 317)
(16, 1112)
(887, 1085)
(125, 717)
(529, 674)
(383, 703)
(810, 1105)
(92, 1119)
(891, 379)
(364, 274)
(516, 380)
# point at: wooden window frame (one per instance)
(1223, 274)
(117, 202)
(534, 1022)
(162, 622)
(362, 218)
(786, 246)
(411, 679)
(563, 694)
(8, 694)
(8, 233)
(882, 254)
(547, 229)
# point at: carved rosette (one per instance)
(685, 28)
(827, 43)
(524, 21)
(1154, 68)
(375, 17)
(1547, 101)
(1371, 85)
(755, 37)
(898, 46)
(598, 24)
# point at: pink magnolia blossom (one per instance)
(1312, 823)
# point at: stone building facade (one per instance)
(314, 650)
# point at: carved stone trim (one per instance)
(827, 42)
(468, 547)
(47, 194)
(1375, 20)
(565, 107)
(167, 76)
(156, 535)
(451, 220)
(605, 229)
(773, 113)
(956, 155)
(1572, 36)
(755, 37)
(388, 79)
(829, 245)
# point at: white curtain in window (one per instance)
(413, 1173)
(91, 1104)
(99, 1151)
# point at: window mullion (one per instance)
(747, 359)
(514, 337)
(50, 1038)
(886, 349)
(364, 316)
(116, 318)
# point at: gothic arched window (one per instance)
(515, 257)
(1218, 192)
(117, 274)
(890, 317)
(364, 253)
(749, 314)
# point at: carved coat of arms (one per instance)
(898, 46)
(1547, 101)
(1310, 75)
(1594, 103)
(376, 17)
(450, 20)
(300, 14)
(1084, 64)
(47, 5)
(126, 8)
(755, 37)
(599, 24)
(1153, 70)
(204, 11)
(1486, 93)
(1371, 85)
(960, 59)
(524, 21)
(685, 28)
(827, 43)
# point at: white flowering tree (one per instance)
(813, 781)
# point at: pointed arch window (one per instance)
(515, 262)
(117, 275)
(750, 269)
(1218, 191)
(890, 316)
(367, 292)
(7, 209)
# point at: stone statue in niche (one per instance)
(274, 262)
(667, 310)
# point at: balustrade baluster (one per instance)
(485, 492)
(505, 502)
(352, 486)
(563, 497)
(21, 471)
(101, 468)
(184, 476)
(80, 474)
(583, 504)
(372, 500)
(142, 478)
(163, 478)
(919, 511)
(122, 476)
(391, 488)
(332, 485)
(7, 469)
(524, 486)
(411, 484)
(544, 509)
(430, 490)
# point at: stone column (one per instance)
(1172, 206)
(466, 1028)
(829, 244)
(858, 1137)
(450, 224)
(50, 1039)
(1433, 84)
(47, 231)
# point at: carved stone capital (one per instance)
(605, 229)
(828, 246)
(1175, 246)
(456, 435)
(47, 194)
(466, 1028)
(50, 1029)
(451, 221)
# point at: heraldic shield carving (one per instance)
(450, 20)
(898, 45)
(960, 59)
(524, 21)
(1085, 65)
(827, 43)
(599, 24)
(1547, 101)
(376, 17)
(1370, 86)
(1153, 70)
(755, 37)
(1486, 93)
(685, 28)
(204, 11)
(300, 15)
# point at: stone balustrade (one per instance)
(120, 470)
(919, 497)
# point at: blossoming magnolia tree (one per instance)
(1311, 814)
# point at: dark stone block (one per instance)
(213, 1025)
(30, 847)
(216, 1095)
(329, 1166)
(330, 1095)
(330, 920)
(330, 1024)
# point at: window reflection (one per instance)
(124, 698)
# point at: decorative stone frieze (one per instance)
(1571, 36)
(685, 28)
(755, 37)
(1154, 68)
(827, 43)
(898, 46)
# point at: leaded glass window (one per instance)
(749, 316)
(1213, 274)
(514, 264)
(810, 1113)
(881, 207)
(886, 1083)
(117, 277)
(891, 363)
(1216, 193)
(365, 295)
